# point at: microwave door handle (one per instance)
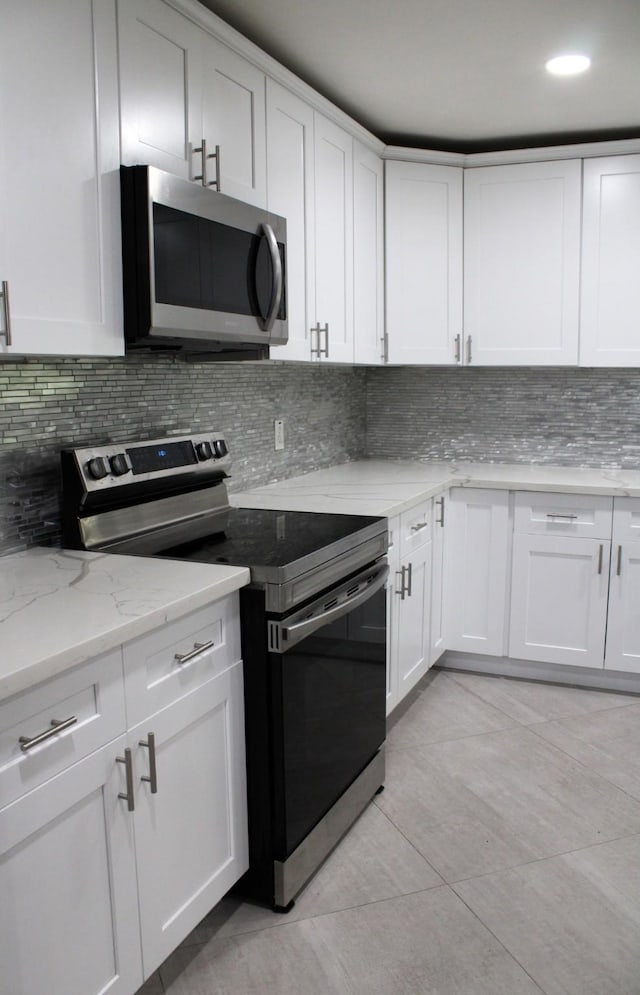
(292, 634)
(276, 265)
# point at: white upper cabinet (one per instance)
(333, 168)
(368, 256)
(521, 259)
(180, 88)
(290, 193)
(423, 233)
(59, 183)
(610, 314)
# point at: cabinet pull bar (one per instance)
(558, 514)
(440, 521)
(202, 150)
(400, 574)
(384, 355)
(326, 342)
(468, 348)
(456, 349)
(212, 155)
(152, 777)
(600, 555)
(619, 564)
(57, 725)
(316, 329)
(4, 293)
(410, 574)
(419, 527)
(127, 795)
(198, 650)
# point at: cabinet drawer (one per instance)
(172, 661)
(563, 514)
(90, 696)
(626, 519)
(416, 527)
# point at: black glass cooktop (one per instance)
(255, 538)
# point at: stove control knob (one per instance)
(98, 467)
(220, 448)
(203, 450)
(119, 465)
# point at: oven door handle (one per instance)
(284, 637)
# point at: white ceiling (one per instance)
(462, 75)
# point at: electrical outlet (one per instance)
(278, 440)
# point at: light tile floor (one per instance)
(502, 857)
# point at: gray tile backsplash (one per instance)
(506, 415)
(332, 414)
(46, 405)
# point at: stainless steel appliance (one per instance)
(313, 624)
(201, 271)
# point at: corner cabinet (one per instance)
(623, 628)
(59, 181)
(522, 264)
(112, 855)
(423, 233)
(368, 257)
(189, 104)
(610, 312)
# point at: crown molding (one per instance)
(432, 156)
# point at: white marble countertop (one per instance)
(389, 487)
(59, 608)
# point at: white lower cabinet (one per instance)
(437, 580)
(623, 628)
(106, 866)
(475, 589)
(559, 599)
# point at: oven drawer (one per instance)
(88, 700)
(563, 514)
(416, 527)
(166, 664)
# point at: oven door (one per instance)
(328, 669)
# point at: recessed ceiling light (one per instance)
(568, 65)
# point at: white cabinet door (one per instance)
(68, 915)
(437, 581)
(623, 625)
(234, 120)
(521, 261)
(423, 234)
(290, 194)
(476, 570)
(333, 160)
(410, 611)
(610, 313)
(559, 599)
(60, 246)
(191, 835)
(368, 257)
(160, 86)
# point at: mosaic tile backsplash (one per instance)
(46, 405)
(506, 415)
(332, 415)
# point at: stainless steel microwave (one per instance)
(202, 272)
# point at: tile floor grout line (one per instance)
(410, 842)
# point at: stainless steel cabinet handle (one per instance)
(211, 155)
(202, 150)
(326, 341)
(600, 555)
(4, 293)
(401, 589)
(152, 777)
(456, 349)
(57, 725)
(419, 527)
(127, 795)
(440, 521)
(557, 514)
(384, 355)
(619, 563)
(198, 650)
(319, 351)
(409, 582)
(468, 348)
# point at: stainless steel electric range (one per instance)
(313, 627)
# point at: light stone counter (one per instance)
(389, 487)
(59, 608)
